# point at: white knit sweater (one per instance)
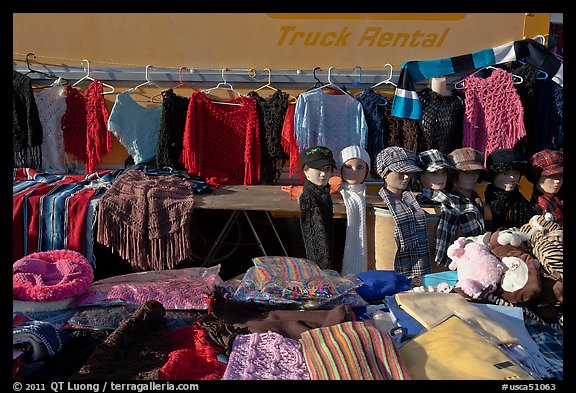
(51, 103)
(355, 248)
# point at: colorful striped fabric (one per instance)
(49, 211)
(406, 102)
(287, 267)
(353, 350)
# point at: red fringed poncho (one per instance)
(222, 142)
(85, 125)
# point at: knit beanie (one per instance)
(502, 160)
(49, 276)
(353, 152)
(265, 356)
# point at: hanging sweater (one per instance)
(271, 112)
(27, 131)
(376, 121)
(330, 120)
(356, 247)
(222, 142)
(442, 120)
(51, 103)
(171, 134)
(494, 116)
(406, 103)
(136, 127)
(289, 141)
(84, 124)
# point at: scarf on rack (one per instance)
(402, 132)
(527, 91)
(85, 125)
(509, 208)
(171, 135)
(27, 133)
(442, 120)
(146, 219)
(377, 122)
(355, 258)
(548, 204)
(271, 113)
(550, 119)
(406, 102)
(317, 223)
(289, 143)
(456, 212)
(410, 233)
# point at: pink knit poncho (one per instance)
(494, 115)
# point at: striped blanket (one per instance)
(49, 212)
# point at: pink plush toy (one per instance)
(479, 271)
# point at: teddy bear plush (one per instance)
(521, 279)
(479, 271)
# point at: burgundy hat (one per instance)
(547, 162)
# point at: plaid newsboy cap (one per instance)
(467, 159)
(547, 162)
(433, 160)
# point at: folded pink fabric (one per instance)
(50, 276)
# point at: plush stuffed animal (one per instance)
(521, 278)
(479, 271)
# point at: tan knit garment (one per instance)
(146, 219)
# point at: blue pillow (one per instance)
(381, 283)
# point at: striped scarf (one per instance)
(412, 255)
(406, 102)
(352, 350)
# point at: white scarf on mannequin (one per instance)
(356, 248)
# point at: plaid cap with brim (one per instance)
(467, 159)
(548, 162)
(396, 159)
(433, 160)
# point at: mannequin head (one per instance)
(396, 165)
(435, 167)
(505, 167)
(317, 164)
(547, 171)
(354, 164)
(469, 164)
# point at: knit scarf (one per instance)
(146, 219)
(412, 254)
(289, 142)
(377, 123)
(442, 120)
(317, 223)
(356, 249)
(402, 132)
(271, 112)
(509, 208)
(27, 133)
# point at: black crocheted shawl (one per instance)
(442, 121)
(27, 133)
(509, 208)
(171, 134)
(527, 91)
(271, 113)
(317, 223)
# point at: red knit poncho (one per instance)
(222, 142)
(85, 125)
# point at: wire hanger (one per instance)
(331, 84)
(224, 86)
(87, 76)
(355, 83)
(269, 86)
(58, 79)
(147, 82)
(459, 84)
(388, 80)
(180, 84)
(541, 38)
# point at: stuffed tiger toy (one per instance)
(546, 243)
